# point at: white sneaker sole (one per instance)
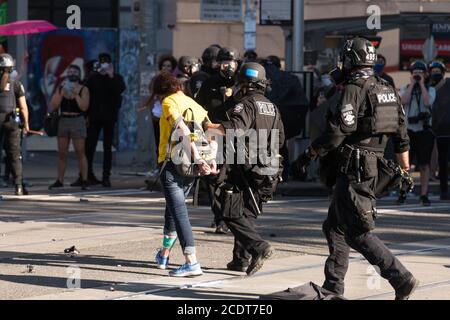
(187, 274)
(161, 267)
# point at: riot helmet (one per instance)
(209, 57)
(358, 52)
(227, 54)
(252, 76)
(228, 60)
(189, 65)
(6, 68)
(6, 62)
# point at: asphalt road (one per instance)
(117, 232)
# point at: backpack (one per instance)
(176, 151)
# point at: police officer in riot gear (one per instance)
(188, 67)
(217, 89)
(213, 96)
(13, 119)
(248, 185)
(209, 67)
(369, 113)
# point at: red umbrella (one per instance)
(26, 27)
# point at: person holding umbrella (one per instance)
(13, 119)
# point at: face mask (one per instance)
(436, 78)
(13, 75)
(74, 78)
(378, 68)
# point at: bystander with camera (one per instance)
(418, 97)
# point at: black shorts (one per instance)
(422, 144)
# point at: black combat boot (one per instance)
(258, 261)
(106, 182)
(407, 289)
(237, 266)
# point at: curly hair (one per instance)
(164, 84)
(165, 58)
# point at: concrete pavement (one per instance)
(118, 230)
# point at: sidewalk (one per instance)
(428, 261)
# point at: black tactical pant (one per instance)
(239, 213)
(10, 137)
(93, 133)
(214, 198)
(349, 225)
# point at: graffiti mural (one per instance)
(50, 54)
(129, 67)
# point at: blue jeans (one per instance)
(176, 188)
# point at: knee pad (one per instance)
(168, 242)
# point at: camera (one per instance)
(417, 78)
(422, 116)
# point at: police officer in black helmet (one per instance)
(219, 88)
(247, 185)
(189, 66)
(209, 67)
(13, 119)
(369, 112)
(213, 96)
(209, 59)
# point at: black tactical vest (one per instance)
(8, 99)
(381, 115)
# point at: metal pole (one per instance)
(298, 35)
(250, 26)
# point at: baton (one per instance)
(358, 165)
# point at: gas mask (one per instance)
(228, 69)
(193, 68)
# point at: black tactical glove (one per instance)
(407, 182)
(303, 162)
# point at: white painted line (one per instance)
(262, 274)
(428, 286)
